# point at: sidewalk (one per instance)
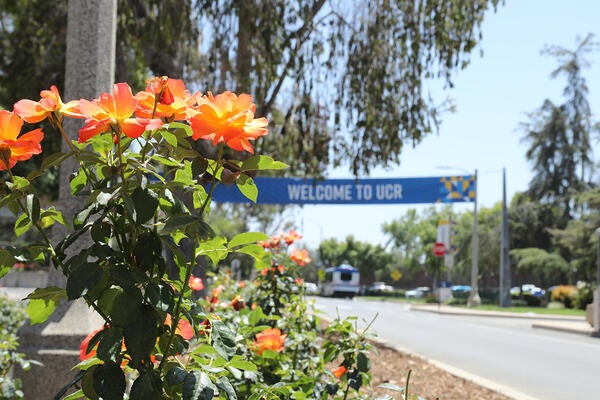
(564, 323)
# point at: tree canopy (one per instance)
(342, 83)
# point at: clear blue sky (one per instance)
(492, 97)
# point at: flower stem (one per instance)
(175, 317)
(213, 183)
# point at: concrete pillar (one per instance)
(91, 39)
(596, 308)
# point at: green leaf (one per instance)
(247, 238)
(226, 386)
(198, 386)
(109, 381)
(49, 161)
(262, 257)
(179, 125)
(43, 302)
(109, 348)
(18, 183)
(51, 215)
(161, 297)
(269, 354)
(175, 376)
(7, 260)
(223, 340)
(363, 362)
(242, 364)
(75, 395)
(184, 175)
(177, 222)
(214, 248)
(199, 165)
(104, 198)
(147, 386)
(145, 204)
(140, 335)
(87, 384)
(169, 162)
(83, 280)
(169, 137)
(9, 199)
(22, 224)
(261, 163)
(107, 298)
(247, 187)
(33, 208)
(147, 250)
(78, 182)
(126, 305)
(255, 316)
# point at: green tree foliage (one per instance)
(412, 237)
(33, 46)
(372, 261)
(559, 136)
(537, 264)
(528, 222)
(576, 107)
(550, 238)
(347, 77)
(551, 153)
(347, 81)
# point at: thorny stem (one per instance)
(213, 183)
(36, 223)
(406, 387)
(55, 121)
(175, 318)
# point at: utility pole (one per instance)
(474, 299)
(505, 281)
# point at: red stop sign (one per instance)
(439, 249)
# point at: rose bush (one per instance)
(144, 190)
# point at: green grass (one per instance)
(535, 310)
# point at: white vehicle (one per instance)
(418, 293)
(342, 281)
(311, 288)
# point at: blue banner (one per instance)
(447, 189)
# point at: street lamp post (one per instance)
(505, 281)
(474, 300)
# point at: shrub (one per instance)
(532, 300)
(489, 295)
(457, 301)
(566, 294)
(585, 295)
(12, 316)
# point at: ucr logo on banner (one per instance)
(439, 249)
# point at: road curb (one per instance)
(447, 310)
(563, 328)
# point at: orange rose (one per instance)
(12, 147)
(300, 257)
(112, 111)
(269, 339)
(227, 118)
(50, 102)
(195, 283)
(339, 371)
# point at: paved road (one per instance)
(542, 364)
